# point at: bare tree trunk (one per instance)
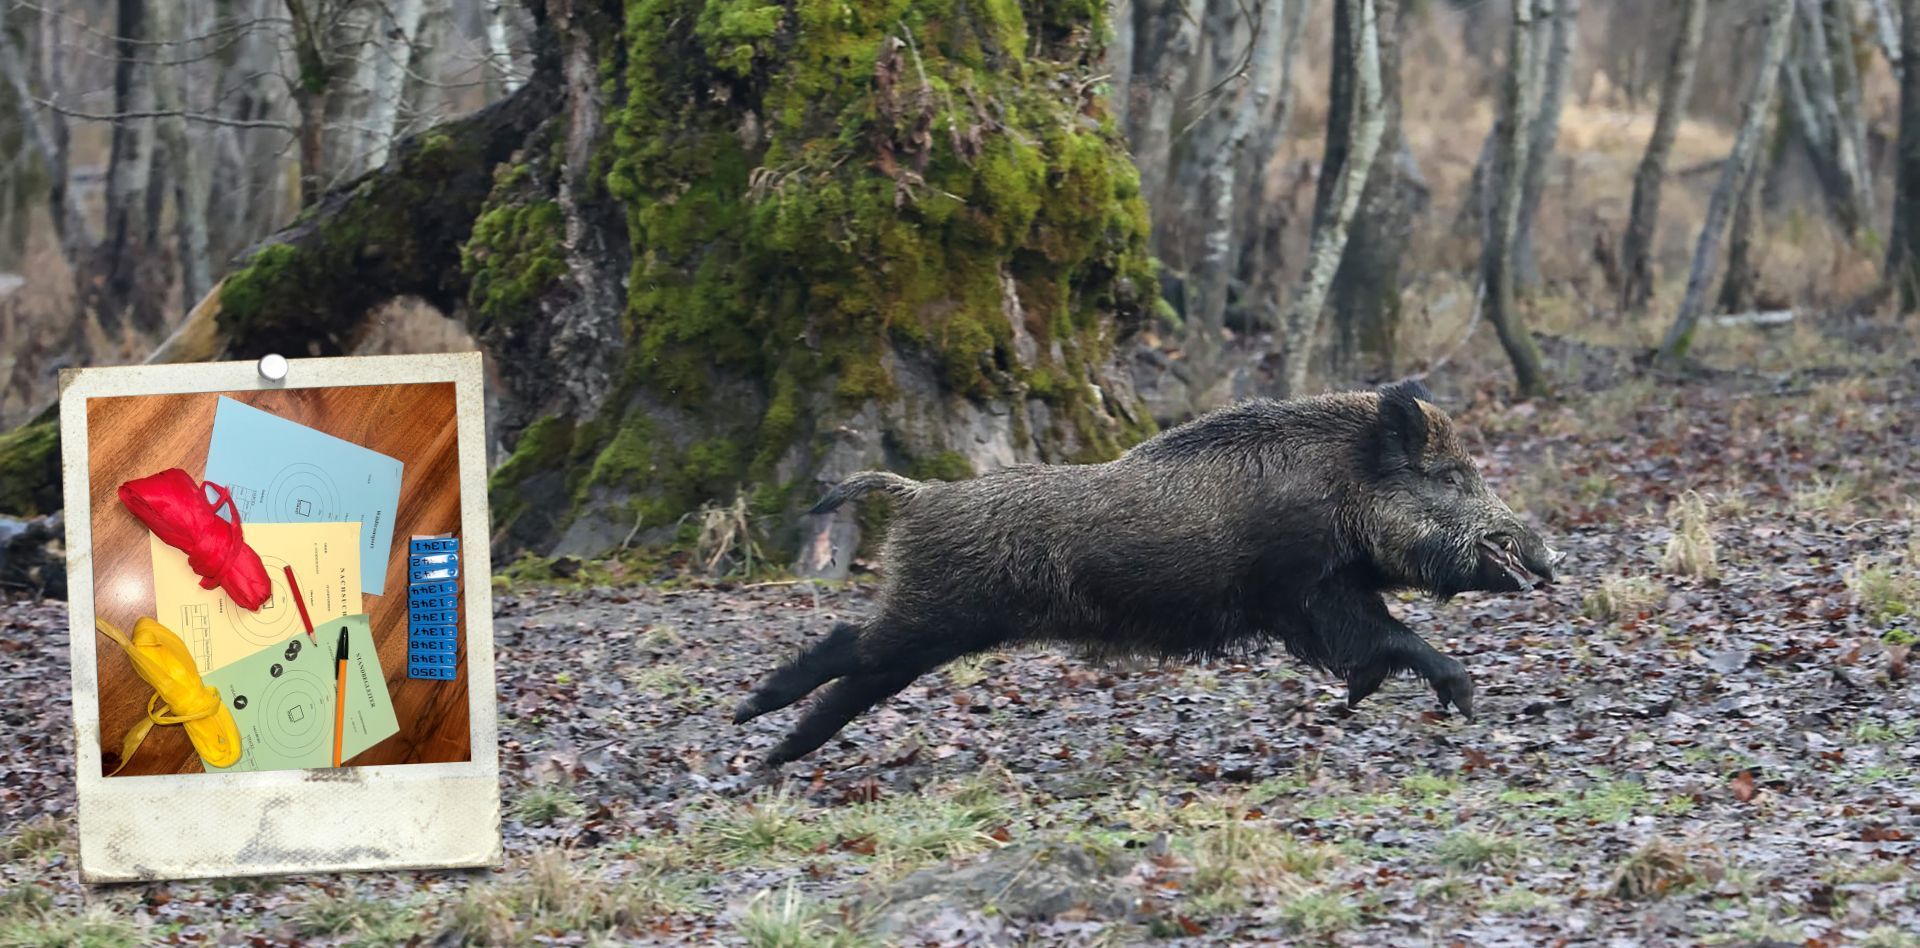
(45, 131)
(1636, 248)
(121, 287)
(1544, 133)
(1155, 150)
(1340, 115)
(1366, 288)
(310, 89)
(1903, 250)
(1207, 315)
(189, 178)
(1816, 96)
(1738, 290)
(1261, 223)
(1497, 255)
(1841, 29)
(1329, 242)
(1733, 176)
(248, 163)
(1120, 63)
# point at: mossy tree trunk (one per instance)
(743, 249)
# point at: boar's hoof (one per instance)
(746, 710)
(1363, 683)
(1452, 686)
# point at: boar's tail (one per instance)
(863, 482)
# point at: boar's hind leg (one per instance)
(1367, 645)
(826, 660)
(854, 694)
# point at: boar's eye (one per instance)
(1455, 478)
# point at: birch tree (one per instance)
(1260, 224)
(1733, 177)
(1366, 288)
(500, 44)
(1329, 241)
(1636, 247)
(1555, 69)
(1207, 316)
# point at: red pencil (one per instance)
(293, 589)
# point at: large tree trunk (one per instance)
(1636, 248)
(1516, 118)
(1366, 289)
(1903, 251)
(1733, 176)
(1544, 134)
(748, 258)
(1365, 128)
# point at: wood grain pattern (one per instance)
(132, 437)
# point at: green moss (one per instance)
(514, 254)
(808, 184)
(396, 229)
(945, 466)
(30, 469)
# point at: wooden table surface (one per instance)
(135, 436)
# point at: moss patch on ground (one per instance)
(30, 469)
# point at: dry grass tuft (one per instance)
(726, 543)
(1691, 552)
(1652, 871)
(1620, 597)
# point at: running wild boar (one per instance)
(1265, 520)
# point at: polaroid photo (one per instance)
(276, 667)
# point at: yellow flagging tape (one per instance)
(162, 660)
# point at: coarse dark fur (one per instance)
(1265, 520)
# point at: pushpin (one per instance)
(273, 367)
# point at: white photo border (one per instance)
(401, 816)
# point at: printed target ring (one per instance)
(275, 619)
(300, 493)
(293, 713)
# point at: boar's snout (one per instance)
(1517, 559)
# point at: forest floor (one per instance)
(1709, 732)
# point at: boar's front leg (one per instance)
(1367, 645)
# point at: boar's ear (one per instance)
(1403, 425)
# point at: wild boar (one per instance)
(1265, 520)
